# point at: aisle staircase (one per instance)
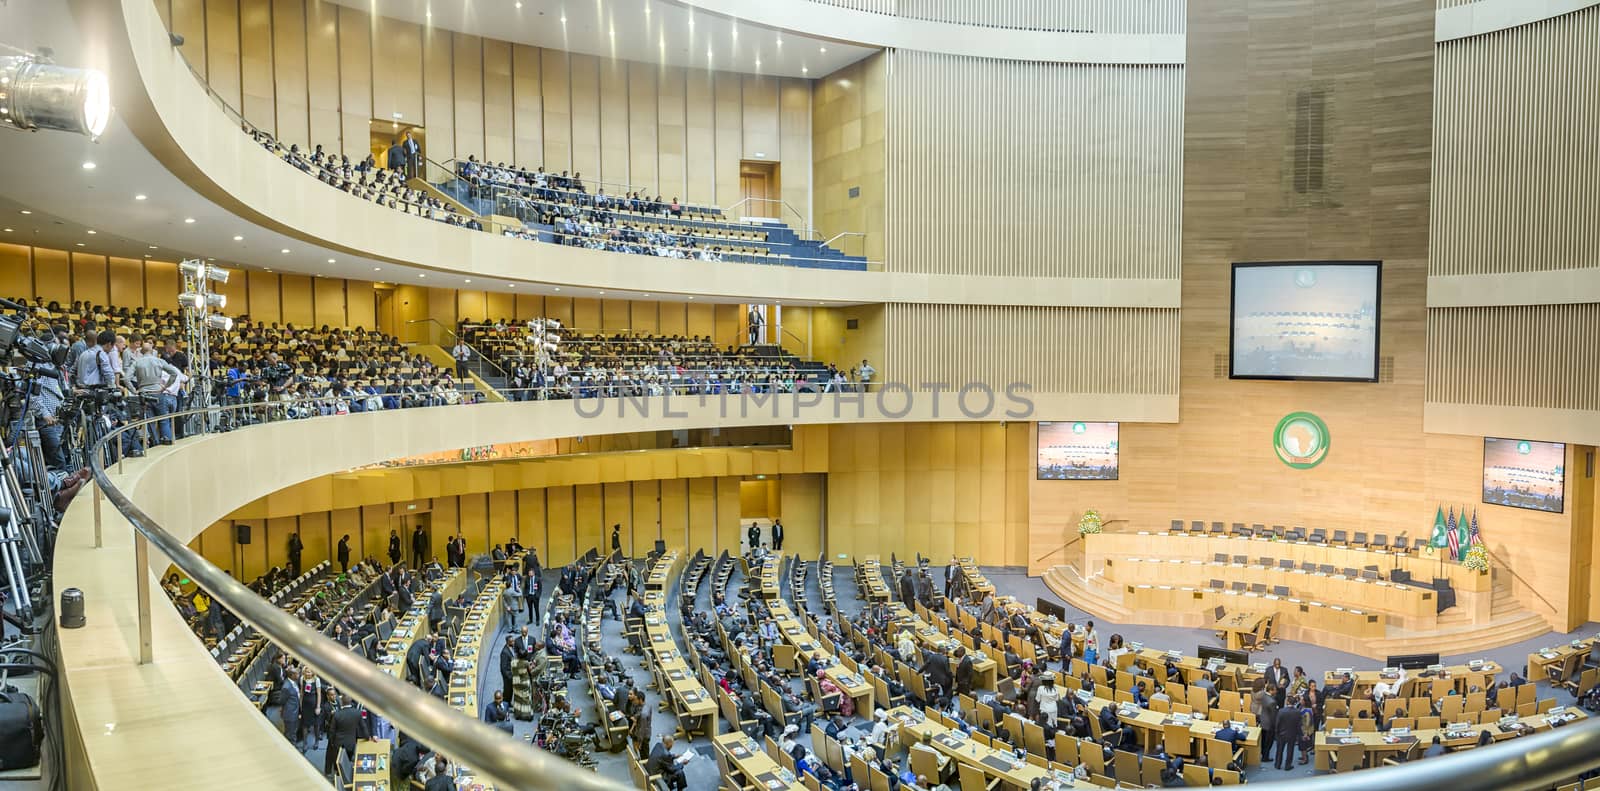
(1509, 621)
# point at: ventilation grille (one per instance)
(1386, 369)
(1310, 115)
(1219, 366)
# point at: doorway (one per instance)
(758, 508)
(408, 525)
(383, 309)
(382, 134)
(759, 188)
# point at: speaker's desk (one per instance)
(1198, 602)
(1409, 605)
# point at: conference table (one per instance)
(688, 696)
(978, 586)
(873, 588)
(966, 750)
(1238, 624)
(758, 768)
(806, 647)
(985, 669)
(766, 574)
(1540, 661)
(413, 623)
(1306, 613)
(1395, 599)
(1378, 746)
(371, 765)
(1460, 677)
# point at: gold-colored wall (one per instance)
(314, 71)
(932, 488)
(848, 138)
(1094, 16)
(1021, 168)
(1056, 350)
(1382, 473)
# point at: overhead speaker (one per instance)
(241, 534)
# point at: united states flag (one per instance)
(1450, 533)
(1474, 539)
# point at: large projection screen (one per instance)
(1306, 320)
(1523, 474)
(1077, 451)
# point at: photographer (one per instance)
(152, 377)
(44, 404)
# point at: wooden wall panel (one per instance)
(583, 76)
(329, 296)
(703, 514)
(672, 134)
(438, 92)
(643, 143)
(532, 529)
(527, 105)
(675, 514)
(16, 270)
(322, 74)
(561, 525)
(759, 122)
(587, 512)
(187, 18)
(646, 501)
(52, 275)
(498, 130)
(1106, 140)
(264, 301)
(1108, 350)
(256, 63)
(295, 298)
(222, 49)
(397, 70)
(89, 278)
(289, 74)
(557, 99)
(1516, 176)
(727, 524)
(355, 80)
(161, 284)
(617, 509)
(614, 127)
(127, 282)
(1541, 356)
(468, 76)
(794, 145)
(848, 153)
(728, 113)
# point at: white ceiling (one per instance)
(657, 31)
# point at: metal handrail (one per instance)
(830, 239)
(506, 761)
(765, 259)
(1507, 567)
(476, 352)
(625, 185)
(805, 222)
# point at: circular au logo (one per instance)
(1301, 440)
(1079, 428)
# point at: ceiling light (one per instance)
(558, 288)
(80, 244)
(331, 261)
(88, 166)
(780, 41)
(758, 63)
(422, 274)
(691, 297)
(91, 232)
(189, 220)
(377, 269)
(804, 70)
(822, 49)
(285, 251)
(8, 230)
(468, 280)
(26, 211)
(519, 4)
(238, 238)
(398, 116)
(428, 14)
(511, 285)
(139, 197)
(602, 293)
(736, 33)
(218, 321)
(564, 19)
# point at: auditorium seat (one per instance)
(1239, 586)
(1220, 557)
(1380, 541)
(1285, 564)
(1197, 526)
(1326, 568)
(1360, 539)
(1278, 531)
(1177, 526)
(1240, 530)
(1340, 537)
(1217, 584)
(1260, 531)
(1216, 527)
(1280, 590)
(1258, 587)
(1319, 536)
(1265, 561)
(1297, 534)
(1241, 560)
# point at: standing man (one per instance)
(777, 536)
(151, 377)
(412, 155)
(463, 354)
(179, 359)
(616, 538)
(758, 322)
(295, 548)
(344, 554)
(530, 592)
(419, 547)
(866, 372)
(1278, 681)
(348, 724)
(508, 660)
(754, 534)
(394, 547)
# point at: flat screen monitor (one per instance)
(1522, 473)
(1208, 652)
(1077, 452)
(1306, 320)
(1047, 607)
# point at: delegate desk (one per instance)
(969, 751)
(1461, 678)
(1236, 625)
(873, 588)
(806, 647)
(978, 586)
(1151, 725)
(767, 575)
(688, 696)
(1155, 661)
(1377, 746)
(478, 626)
(1099, 546)
(1540, 661)
(371, 764)
(1201, 601)
(757, 767)
(413, 623)
(984, 668)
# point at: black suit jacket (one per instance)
(1279, 676)
(937, 669)
(348, 726)
(440, 783)
(964, 674)
(660, 761)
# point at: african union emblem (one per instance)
(1301, 440)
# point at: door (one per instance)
(758, 187)
(383, 308)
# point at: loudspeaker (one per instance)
(242, 534)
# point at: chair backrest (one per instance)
(1220, 557)
(1340, 536)
(1177, 739)
(1177, 525)
(1360, 538)
(925, 763)
(1241, 559)
(969, 775)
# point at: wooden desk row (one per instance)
(869, 574)
(1569, 657)
(1185, 546)
(806, 647)
(1416, 604)
(985, 669)
(1373, 747)
(1201, 601)
(413, 623)
(675, 679)
(978, 585)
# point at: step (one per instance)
(1466, 639)
(1069, 586)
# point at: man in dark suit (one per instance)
(616, 538)
(1278, 679)
(419, 547)
(412, 155)
(344, 554)
(498, 713)
(963, 671)
(754, 534)
(937, 670)
(295, 548)
(414, 661)
(508, 659)
(662, 762)
(349, 724)
(777, 536)
(407, 757)
(396, 156)
(1287, 736)
(441, 780)
(908, 589)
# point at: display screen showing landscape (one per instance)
(1525, 474)
(1077, 452)
(1306, 321)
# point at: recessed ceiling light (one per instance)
(153, 247)
(8, 230)
(238, 238)
(564, 19)
(519, 5)
(558, 288)
(468, 280)
(146, 255)
(80, 244)
(88, 166)
(780, 41)
(139, 197)
(422, 274)
(377, 269)
(758, 63)
(691, 297)
(428, 14)
(91, 231)
(804, 70)
(511, 285)
(25, 211)
(822, 49)
(285, 251)
(331, 261)
(646, 296)
(735, 32)
(398, 116)
(602, 293)
(189, 220)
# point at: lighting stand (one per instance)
(201, 314)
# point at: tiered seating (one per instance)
(365, 180)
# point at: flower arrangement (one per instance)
(1477, 559)
(1089, 522)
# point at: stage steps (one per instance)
(1456, 634)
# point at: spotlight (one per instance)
(217, 322)
(36, 94)
(190, 299)
(198, 270)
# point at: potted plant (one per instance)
(1477, 559)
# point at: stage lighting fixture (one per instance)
(37, 94)
(191, 299)
(217, 322)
